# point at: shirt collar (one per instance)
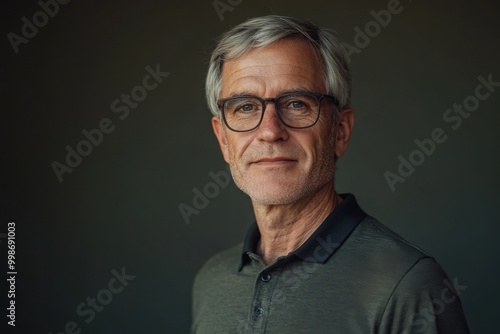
(327, 238)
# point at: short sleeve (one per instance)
(425, 301)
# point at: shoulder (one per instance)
(418, 295)
(425, 300)
(382, 257)
(377, 240)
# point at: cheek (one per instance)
(236, 147)
(322, 148)
(319, 139)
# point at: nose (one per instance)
(271, 128)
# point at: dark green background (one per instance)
(119, 208)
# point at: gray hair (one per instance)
(262, 31)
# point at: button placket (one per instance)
(262, 297)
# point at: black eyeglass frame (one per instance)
(319, 97)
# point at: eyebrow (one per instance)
(288, 91)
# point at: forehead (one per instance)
(288, 64)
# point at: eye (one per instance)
(242, 105)
(297, 104)
(246, 107)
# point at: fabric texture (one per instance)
(353, 275)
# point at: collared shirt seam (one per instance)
(379, 321)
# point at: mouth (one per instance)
(274, 161)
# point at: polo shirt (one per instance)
(352, 275)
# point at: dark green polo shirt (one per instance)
(353, 275)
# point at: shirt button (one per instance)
(265, 277)
(259, 312)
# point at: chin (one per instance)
(273, 200)
(274, 195)
(280, 191)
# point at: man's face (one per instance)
(275, 164)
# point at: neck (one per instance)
(284, 228)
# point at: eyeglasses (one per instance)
(297, 110)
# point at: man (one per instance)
(313, 262)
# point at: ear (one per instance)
(344, 130)
(220, 133)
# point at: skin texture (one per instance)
(288, 173)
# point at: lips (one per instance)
(274, 161)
